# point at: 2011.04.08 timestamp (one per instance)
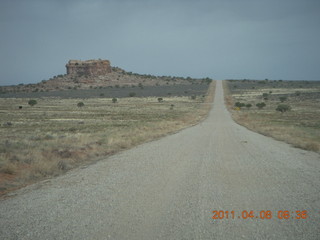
(263, 214)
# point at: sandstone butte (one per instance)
(89, 67)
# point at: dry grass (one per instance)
(55, 135)
(299, 127)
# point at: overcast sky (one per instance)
(221, 39)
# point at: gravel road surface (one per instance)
(168, 189)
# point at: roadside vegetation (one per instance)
(48, 136)
(285, 110)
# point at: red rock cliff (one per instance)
(89, 67)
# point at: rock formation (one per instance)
(89, 67)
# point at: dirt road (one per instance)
(167, 189)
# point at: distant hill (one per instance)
(93, 74)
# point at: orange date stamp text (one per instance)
(262, 214)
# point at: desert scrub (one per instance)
(57, 135)
(32, 102)
(298, 124)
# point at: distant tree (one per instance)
(283, 108)
(32, 102)
(80, 104)
(261, 105)
(160, 99)
(114, 100)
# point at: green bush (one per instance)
(160, 99)
(32, 102)
(80, 104)
(261, 105)
(114, 100)
(283, 108)
(239, 104)
(249, 105)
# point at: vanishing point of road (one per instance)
(170, 188)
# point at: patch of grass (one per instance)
(57, 135)
(296, 122)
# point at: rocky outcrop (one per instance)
(88, 68)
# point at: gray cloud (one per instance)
(220, 39)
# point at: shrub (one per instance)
(160, 99)
(32, 102)
(283, 108)
(261, 105)
(80, 104)
(114, 100)
(265, 96)
(208, 80)
(132, 94)
(282, 99)
(239, 104)
(249, 105)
